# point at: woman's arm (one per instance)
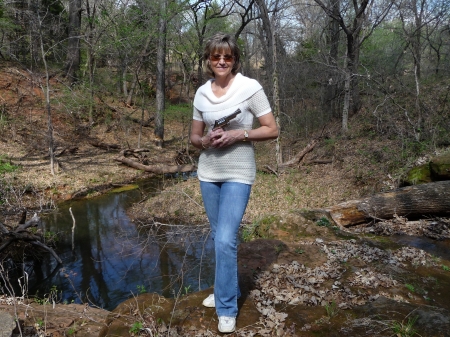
(267, 130)
(197, 131)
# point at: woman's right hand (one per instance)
(206, 141)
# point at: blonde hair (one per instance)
(221, 42)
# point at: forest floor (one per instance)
(360, 164)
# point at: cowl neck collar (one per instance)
(240, 90)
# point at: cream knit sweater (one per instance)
(234, 163)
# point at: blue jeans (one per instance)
(225, 204)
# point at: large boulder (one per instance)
(440, 167)
(437, 169)
(418, 175)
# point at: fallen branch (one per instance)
(21, 233)
(157, 168)
(113, 109)
(270, 169)
(34, 221)
(129, 152)
(299, 156)
(319, 161)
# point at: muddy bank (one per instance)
(48, 319)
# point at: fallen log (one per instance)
(412, 202)
(104, 146)
(157, 168)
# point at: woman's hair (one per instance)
(221, 42)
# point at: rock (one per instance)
(437, 169)
(7, 324)
(418, 175)
(440, 167)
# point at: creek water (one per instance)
(110, 258)
(438, 248)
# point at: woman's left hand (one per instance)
(221, 138)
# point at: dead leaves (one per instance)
(297, 284)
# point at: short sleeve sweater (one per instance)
(235, 163)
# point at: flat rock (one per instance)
(7, 324)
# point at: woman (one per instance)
(227, 167)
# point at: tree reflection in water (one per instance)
(113, 259)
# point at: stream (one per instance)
(438, 248)
(110, 259)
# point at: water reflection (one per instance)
(112, 259)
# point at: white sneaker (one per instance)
(227, 324)
(209, 301)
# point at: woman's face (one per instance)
(222, 62)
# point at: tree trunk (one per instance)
(160, 76)
(266, 37)
(46, 91)
(412, 202)
(73, 43)
(140, 62)
(347, 98)
(91, 12)
(276, 103)
(329, 108)
(353, 34)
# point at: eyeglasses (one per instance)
(217, 57)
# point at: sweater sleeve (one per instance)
(259, 104)
(198, 115)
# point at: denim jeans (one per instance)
(225, 204)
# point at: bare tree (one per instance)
(246, 12)
(73, 43)
(419, 18)
(269, 35)
(352, 25)
(46, 90)
(160, 75)
(204, 13)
